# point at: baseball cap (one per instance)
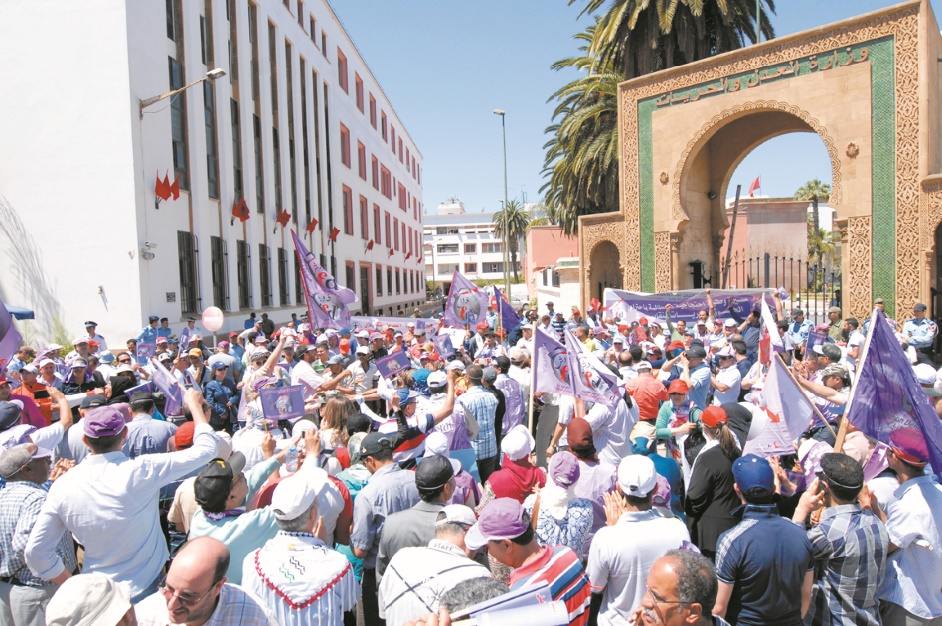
(456, 514)
(434, 472)
(219, 365)
(9, 414)
(183, 438)
(293, 496)
(13, 459)
(214, 482)
(754, 475)
(375, 443)
(92, 401)
(713, 416)
(564, 469)
(437, 379)
(502, 518)
(636, 476)
(103, 421)
(89, 600)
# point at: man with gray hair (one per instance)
(681, 591)
(295, 574)
(416, 578)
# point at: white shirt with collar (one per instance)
(109, 504)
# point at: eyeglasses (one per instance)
(185, 600)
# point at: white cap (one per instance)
(293, 496)
(517, 443)
(88, 600)
(636, 475)
(457, 514)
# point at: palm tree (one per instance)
(643, 36)
(582, 152)
(814, 190)
(510, 224)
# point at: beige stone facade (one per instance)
(868, 87)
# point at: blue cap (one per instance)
(754, 473)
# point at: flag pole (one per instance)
(842, 434)
(817, 411)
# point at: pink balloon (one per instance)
(213, 319)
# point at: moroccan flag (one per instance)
(333, 234)
(171, 388)
(467, 303)
(506, 314)
(312, 226)
(10, 338)
(162, 187)
(591, 380)
(550, 365)
(887, 401)
(754, 186)
(787, 413)
(326, 300)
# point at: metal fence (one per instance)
(811, 285)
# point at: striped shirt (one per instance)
(559, 567)
(849, 546)
(483, 406)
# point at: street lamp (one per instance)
(505, 240)
(210, 75)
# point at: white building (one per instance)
(299, 123)
(456, 240)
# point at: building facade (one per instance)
(456, 240)
(297, 127)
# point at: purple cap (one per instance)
(503, 518)
(103, 421)
(564, 469)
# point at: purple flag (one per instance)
(165, 381)
(282, 403)
(887, 401)
(10, 338)
(550, 364)
(591, 380)
(467, 303)
(394, 363)
(508, 318)
(443, 345)
(326, 301)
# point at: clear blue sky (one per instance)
(446, 64)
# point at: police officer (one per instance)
(798, 330)
(920, 330)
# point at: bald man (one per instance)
(195, 591)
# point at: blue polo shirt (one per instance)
(765, 557)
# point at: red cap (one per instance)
(713, 416)
(678, 386)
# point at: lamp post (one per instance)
(505, 242)
(210, 75)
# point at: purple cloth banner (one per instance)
(282, 403)
(685, 305)
(165, 381)
(551, 365)
(467, 303)
(10, 338)
(591, 380)
(443, 345)
(888, 402)
(326, 301)
(507, 317)
(394, 363)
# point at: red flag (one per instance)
(755, 185)
(312, 226)
(369, 245)
(161, 188)
(333, 234)
(175, 188)
(391, 252)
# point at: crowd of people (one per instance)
(416, 497)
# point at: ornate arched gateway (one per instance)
(869, 87)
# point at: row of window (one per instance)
(408, 282)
